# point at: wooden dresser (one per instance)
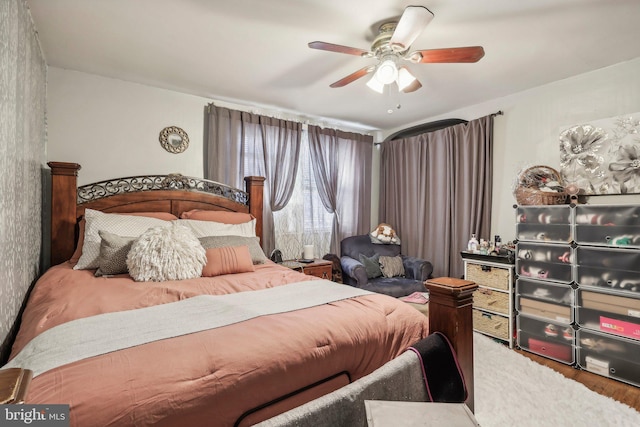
(319, 268)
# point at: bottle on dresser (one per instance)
(473, 244)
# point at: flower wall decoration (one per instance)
(602, 157)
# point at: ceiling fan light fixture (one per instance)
(375, 84)
(405, 78)
(387, 72)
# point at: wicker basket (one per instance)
(494, 277)
(527, 191)
(491, 324)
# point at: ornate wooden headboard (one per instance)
(152, 193)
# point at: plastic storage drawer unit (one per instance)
(617, 269)
(547, 338)
(545, 300)
(608, 225)
(544, 224)
(545, 261)
(609, 356)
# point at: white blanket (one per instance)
(105, 333)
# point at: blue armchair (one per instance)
(354, 272)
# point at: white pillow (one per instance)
(212, 228)
(166, 253)
(122, 225)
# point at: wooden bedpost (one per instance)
(450, 312)
(64, 181)
(255, 187)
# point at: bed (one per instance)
(240, 372)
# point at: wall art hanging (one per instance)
(174, 140)
(602, 156)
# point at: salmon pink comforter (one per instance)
(211, 377)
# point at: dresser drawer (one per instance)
(545, 261)
(491, 324)
(491, 300)
(321, 271)
(489, 276)
(609, 356)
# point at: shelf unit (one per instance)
(607, 271)
(493, 312)
(578, 286)
(544, 285)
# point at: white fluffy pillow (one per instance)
(122, 225)
(212, 228)
(166, 253)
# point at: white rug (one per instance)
(512, 390)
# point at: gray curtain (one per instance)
(23, 95)
(436, 188)
(240, 144)
(342, 170)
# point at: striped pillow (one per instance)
(228, 260)
(391, 266)
(253, 243)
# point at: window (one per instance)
(304, 221)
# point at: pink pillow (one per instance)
(228, 260)
(81, 225)
(225, 217)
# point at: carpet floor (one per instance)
(512, 390)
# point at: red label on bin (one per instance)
(619, 327)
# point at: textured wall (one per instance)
(22, 153)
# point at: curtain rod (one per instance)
(497, 113)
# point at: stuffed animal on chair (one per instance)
(384, 234)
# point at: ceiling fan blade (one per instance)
(338, 48)
(411, 24)
(353, 76)
(454, 54)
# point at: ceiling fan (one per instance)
(392, 45)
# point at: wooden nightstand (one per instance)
(319, 268)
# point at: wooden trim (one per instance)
(14, 383)
(66, 213)
(450, 312)
(255, 187)
(64, 181)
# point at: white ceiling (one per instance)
(254, 52)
